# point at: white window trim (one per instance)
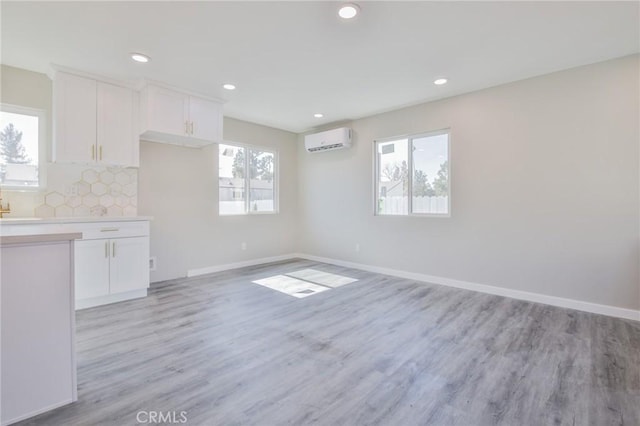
(276, 179)
(376, 173)
(42, 146)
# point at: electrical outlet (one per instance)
(243, 246)
(71, 190)
(357, 247)
(152, 263)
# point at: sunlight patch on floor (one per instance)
(322, 278)
(291, 286)
(305, 282)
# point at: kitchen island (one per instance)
(38, 369)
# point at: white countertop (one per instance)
(55, 220)
(38, 238)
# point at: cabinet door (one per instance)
(91, 268)
(167, 111)
(74, 119)
(117, 144)
(129, 264)
(206, 119)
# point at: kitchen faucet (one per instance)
(2, 209)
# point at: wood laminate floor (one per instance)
(379, 351)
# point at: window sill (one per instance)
(423, 215)
(247, 214)
(22, 188)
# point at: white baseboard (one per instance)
(236, 265)
(562, 302)
(110, 298)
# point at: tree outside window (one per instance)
(246, 180)
(19, 148)
(413, 175)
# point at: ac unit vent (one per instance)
(329, 140)
(326, 147)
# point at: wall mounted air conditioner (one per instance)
(329, 140)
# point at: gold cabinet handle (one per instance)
(109, 229)
(93, 152)
(192, 127)
(113, 250)
(186, 127)
(100, 152)
(106, 249)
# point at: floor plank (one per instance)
(379, 351)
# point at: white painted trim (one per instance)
(410, 139)
(562, 302)
(236, 265)
(247, 182)
(143, 83)
(54, 69)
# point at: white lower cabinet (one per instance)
(129, 265)
(91, 269)
(108, 270)
(111, 262)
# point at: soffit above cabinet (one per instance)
(54, 69)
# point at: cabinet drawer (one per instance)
(92, 231)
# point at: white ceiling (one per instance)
(293, 59)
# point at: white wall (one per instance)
(26, 88)
(179, 187)
(545, 185)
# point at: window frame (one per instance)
(247, 181)
(42, 145)
(376, 173)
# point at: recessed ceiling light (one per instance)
(348, 11)
(139, 57)
(440, 81)
(229, 86)
(318, 115)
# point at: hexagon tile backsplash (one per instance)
(107, 191)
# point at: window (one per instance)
(416, 165)
(246, 180)
(21, 147)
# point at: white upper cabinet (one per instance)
(165, 111)
(179, 118)
(117, 138)
(94, 122)
(74, 118)
(206, 119)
